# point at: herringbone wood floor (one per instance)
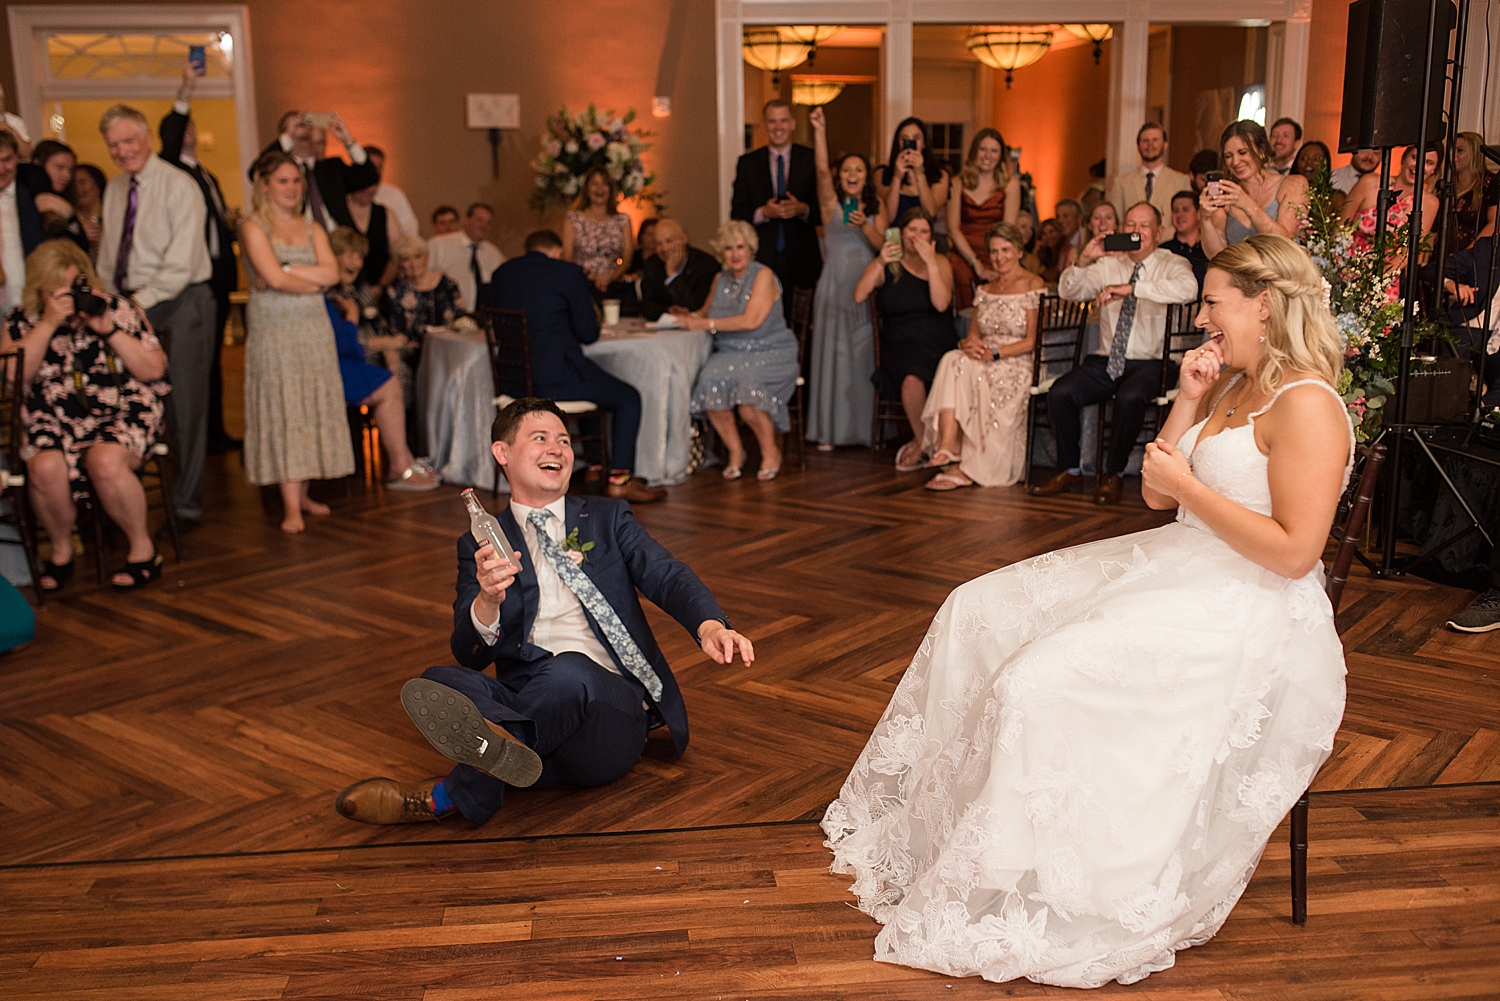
(219, 713)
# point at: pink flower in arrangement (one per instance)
(596, 140)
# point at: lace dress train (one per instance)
(1080, 769)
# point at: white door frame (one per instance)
(1286, 70)
(27, 55)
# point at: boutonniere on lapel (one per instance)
(578, 554)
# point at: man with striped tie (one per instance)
(579, 679)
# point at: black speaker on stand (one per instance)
(1387, 53)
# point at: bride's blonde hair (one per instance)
(1300, 332)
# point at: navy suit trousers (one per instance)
(587, 724)
(1090, 383)
(618, 397)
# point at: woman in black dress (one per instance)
(375, 224)
(913, 289)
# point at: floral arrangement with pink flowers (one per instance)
(574, 144)
(1364, 295)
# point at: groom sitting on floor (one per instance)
(579, 679)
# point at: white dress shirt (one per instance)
(450, 254)
(18, 125)
(772, 153)
(12, 251)
(560, 625)
(396, 203)
(1165, 278)
(168, 252)
(1343, 179)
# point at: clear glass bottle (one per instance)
(484, 527)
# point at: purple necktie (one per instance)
(314, 198)
(127, 238)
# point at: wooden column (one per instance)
(1127, 93)
(897, 51)
(729, 36)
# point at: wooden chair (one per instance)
(1371, 458)
(887, 409)
(1180, 336)
(1059, 344)
(801, 323)
(155, 474)
(509, 345)
(13, 473)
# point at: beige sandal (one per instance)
(947, 481)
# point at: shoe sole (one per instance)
(1474, 629)
(453, 725)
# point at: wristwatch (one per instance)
(995, 355)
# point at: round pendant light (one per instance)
(1096, 33)
(768, 49)
(815, 93)
(1009, 48)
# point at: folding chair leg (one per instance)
(20, 500)
(1299, 861)
(97, 512)
(164, 483)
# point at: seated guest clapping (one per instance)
(373, 386)
(678, 278)
(753, 368)
(94, 378)
(1132, 291)
(913, 288)
(976, 413)
(579, 679)
(560, 318)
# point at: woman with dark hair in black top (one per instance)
(912, 177)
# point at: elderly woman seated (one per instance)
(419, 298)
(753, 368)
(94, 381)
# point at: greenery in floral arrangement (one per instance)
(1364, 276)
(576, 143)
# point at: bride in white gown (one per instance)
(1080, 769)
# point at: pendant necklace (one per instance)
(734, 286)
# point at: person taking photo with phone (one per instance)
(1131, 290)
(1252, 196)
(842, 352)
(329, 180)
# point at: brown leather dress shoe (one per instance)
(1108, 490)
(386, 801)
(636, 491)
(1061, 482)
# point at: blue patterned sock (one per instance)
(441, 802)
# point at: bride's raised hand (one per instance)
(1164, 468)
(1200, 369)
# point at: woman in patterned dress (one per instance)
(296, 428)
(596, 235)
(753, 368)
(92, 404)
(976, 412)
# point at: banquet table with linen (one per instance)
(455, 394)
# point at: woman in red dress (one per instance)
(989, 192)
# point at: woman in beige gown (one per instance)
(296, 428)
(974, 422)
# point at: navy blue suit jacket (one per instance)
(560, 316)
(27, 217)
(624, 559)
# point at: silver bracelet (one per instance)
(711, 329)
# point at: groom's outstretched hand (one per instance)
(720, 642)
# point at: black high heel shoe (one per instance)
(60, 574)
(140, 574)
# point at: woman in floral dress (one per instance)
(92, 406)
(975, 415)
(596, 235)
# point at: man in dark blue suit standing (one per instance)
(20, 222)
(560, 318)
(579, 679)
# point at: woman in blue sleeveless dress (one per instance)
(754, 365)
(840, 395)
(1253, 198)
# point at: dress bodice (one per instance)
(1001, 319)
(598, 246)
(1232, 465)
(731, 296)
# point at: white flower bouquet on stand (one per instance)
(574, 144)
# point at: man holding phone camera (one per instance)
(304, 136)
(1131, 280)
(579, 679)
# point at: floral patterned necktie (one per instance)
(1116, 366)
(588, 595)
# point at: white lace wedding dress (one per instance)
(1079, 771)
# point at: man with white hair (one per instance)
(153, 252)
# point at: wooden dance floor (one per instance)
(168, 762)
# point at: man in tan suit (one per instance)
(1153, 181)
